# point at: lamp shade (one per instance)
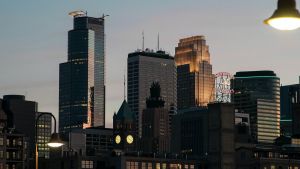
(55, 141)
(285, 17)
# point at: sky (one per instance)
(33, 40)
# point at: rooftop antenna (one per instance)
(143, 48)
(158, 42)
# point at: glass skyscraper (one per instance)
(257, 93)
(195, 81)
(81, 78)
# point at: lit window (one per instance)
(87, 164)
(157, 166)
(149, 165)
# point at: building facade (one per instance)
(92, 141)
(289, 95)
(195, 81)
(257, 93)
(155, 124)
(144, 68)
(190, 131)
(81, 78)
(13, 145)
(221, 136)
(44, 126)
(21, 116)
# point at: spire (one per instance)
(143, 43)
(155, 100)
(124, 85)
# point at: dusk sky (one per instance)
(34, 40)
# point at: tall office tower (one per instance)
(257, 93)
(155, 124)
(81, 78)
(144, 68)
(195, 81)
(289, 95)
(44, 126)
(21, 116)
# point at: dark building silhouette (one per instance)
(190, 132)
(155, 123)
(92, 142)
(81, 78)
(289, 95)
(13, 152)
(257, 93)
(145, 67)
(195, 81)
(221, 136)
(125, 132)
(21, 117)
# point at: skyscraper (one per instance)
(144, 68)
(195, 81)
(81, 78)
(257, 93)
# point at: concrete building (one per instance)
(92, 142)
(257, 93)
(145, 67)
(155, 123)
(221, 136)
(81, 78)
(190, 132)
(195, 81)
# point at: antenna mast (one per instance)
(158, 42)
(143, 48)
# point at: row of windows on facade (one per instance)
(11, 155)
(149, 165)
(13, 142)
(7, 166)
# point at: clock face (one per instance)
(118, 139)
(129, 139)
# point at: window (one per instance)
(164, 166)
(1, 141)
(143, 165)
(87, 164)
(132, 165)
(157, 166)
(149, 165)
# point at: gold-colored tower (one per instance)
(195, 81)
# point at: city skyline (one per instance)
(37, 46)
